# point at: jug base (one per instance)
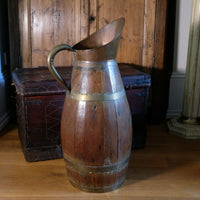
(97, 190)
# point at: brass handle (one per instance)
(51, 66)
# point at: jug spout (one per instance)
(101, 45)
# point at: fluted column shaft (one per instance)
(191, 102)
(188, 125)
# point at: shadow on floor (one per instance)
(164, 154)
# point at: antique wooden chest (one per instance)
(39, 106)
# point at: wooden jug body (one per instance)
(96, 125)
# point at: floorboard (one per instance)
(168, 168)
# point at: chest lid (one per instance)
(133, 78)
(39, 81)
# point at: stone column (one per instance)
(188, 126)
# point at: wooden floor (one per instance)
(168, 168)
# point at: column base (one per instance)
(187, 131)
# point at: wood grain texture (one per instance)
(65, 21)
(149, 32)
(132, 42)
(52, 23)
(46, 23)
(167, 169)
(160, 31)
(96, 135)
(14, 35)
(159, 70)
(25, 33)
(93, 16)
(40, 100)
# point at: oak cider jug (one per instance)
(96, 124)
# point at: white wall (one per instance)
(183, 15)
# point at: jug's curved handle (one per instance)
(51, 66)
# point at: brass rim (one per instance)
(95, 64)
(85, 169)
(97, 96)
